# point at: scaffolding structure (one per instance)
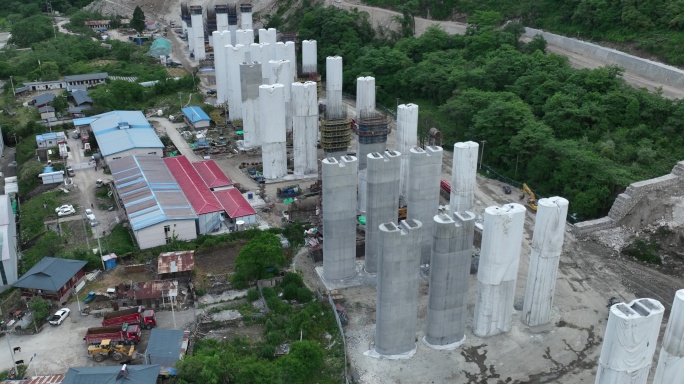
(335, 134)
(373, 128)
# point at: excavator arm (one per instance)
(532, 200)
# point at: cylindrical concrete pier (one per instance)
(671, 361)
(463, 177)
(547, 244)
(499, 257)
(424, 166)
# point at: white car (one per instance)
(64, 207)
(89, 214)
(66, 212)
(59, 316)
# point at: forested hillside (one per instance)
(654, 26)
(581, 134)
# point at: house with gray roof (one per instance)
(52, 279)
(42, 100)
(89, 80)
(155, 204)
(113, 374)
(81, 98)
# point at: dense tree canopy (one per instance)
(138, 19)
(581, 134)
(259, 258)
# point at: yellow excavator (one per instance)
(532, 201)
(106, 348)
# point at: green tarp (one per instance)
(362, 220)
(160, 47)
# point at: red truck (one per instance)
(145, 318)
(126, 334)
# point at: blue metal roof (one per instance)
(164, 347)
(119, 131)
(195, 114)
(50, 136)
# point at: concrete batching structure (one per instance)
(452, 252)
(305, 127)
(272, 120)
(250, 80)
(671, 361)
(339, 222)
(246, 16)
(197, 32)
(235, 54)
(499, 257)
(335, 131)
(383, 200)
(407, 138)
(425, 167)
(397, 291)
(547, 244)
(630, 342)
(463, 174)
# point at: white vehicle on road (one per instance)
(59, 316)
(89, 214)
(64, 207)
(66, 211)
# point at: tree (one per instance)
(258, 258)
(31, 30)
(40, 308)
(138, 20)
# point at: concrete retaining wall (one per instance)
(626, 201)
(643, 67)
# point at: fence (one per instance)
(344, 343)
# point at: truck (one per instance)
(126, 334)
(290, 191)
(135, 315)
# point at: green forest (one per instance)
(646, 28)
(581, 134)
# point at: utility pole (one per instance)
(482, 156)
(13, 91)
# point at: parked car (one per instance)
(260, 180)
(66, 212)
(211, 92)
(90, 297)
(89, 214)
(70, 170)
(75, 135)
(94, 223)
(66, 206)
(507, 189)
(59, 316)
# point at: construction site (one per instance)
(440, 272)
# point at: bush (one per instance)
(643, 250)
(252, 295)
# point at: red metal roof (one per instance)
(234, 203)
(179, 261)
(212, 175)
(46, 379)
(192, 184)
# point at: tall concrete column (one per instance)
(232, 23)
(245, 37)
(630, 342)
(407, 138)
(339, 222)
(246, 16)
(221, 39)
(234, 56)
(198, 32)
(305, 127)
(272, 121)
(309, 56)
(333, 87)
(268, 36)
(452, 252)
(547, 244)
(280, 74)
(463, 177)
(422, 199)
(221, 18)
(671, 361)
(397, 300)
(250, 80)
(499, 257)
(383, 200)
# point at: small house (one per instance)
(46, 112)
(113, 374)
(52, 279)
(81, 98)
(49, 140)
(172, 265)
(196, 117)
(50, 176)
(165, 348)
(42, 100)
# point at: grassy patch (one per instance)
(118, 241)
(644, 250)
(33, 213)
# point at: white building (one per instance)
(8, 243)
(123, 133)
